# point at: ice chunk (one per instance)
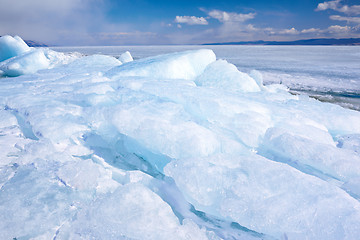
(86, 175)
(257, 76)
(183, 65)
(132, 212)
(266, 196)
(93, 63)
(163, 128)
(11, 47)
(30, 62)
(350, 141)
(47, 203)
(337, 120)
(291, 147)
(223, 75)
(305, 128)
(126, 57)
(57, 58)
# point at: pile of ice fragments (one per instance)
(178, 146)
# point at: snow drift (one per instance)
(178, 146)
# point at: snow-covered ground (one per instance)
(176, 146)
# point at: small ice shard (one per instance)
(126, 57)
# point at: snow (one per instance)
(176, 146)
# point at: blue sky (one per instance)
(128, 22)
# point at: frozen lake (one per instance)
(329, 73)
(178, 146)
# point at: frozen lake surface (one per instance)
(176, 146)
(329, 73)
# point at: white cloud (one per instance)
(291, 31)
(328, 5)
(232, 27)
(230, 16)
(338, 29)
(191, 20)
(310, 30)
(336, 6)
(334, 29)
(251, 28)
(348, 19)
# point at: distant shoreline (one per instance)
(304, 42)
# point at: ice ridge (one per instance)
(176, 146)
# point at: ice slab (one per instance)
(182, 65)
(266, 196)
(176, 136)
(12, 47)
(221, 74)
(126, 57)
(27, 63)
(131, 212)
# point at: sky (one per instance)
(144, 22)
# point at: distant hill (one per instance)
(31, 43)
(319, 41)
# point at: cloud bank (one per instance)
(191, 20)
(347, 19)
(337, 6)
(223, 16)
